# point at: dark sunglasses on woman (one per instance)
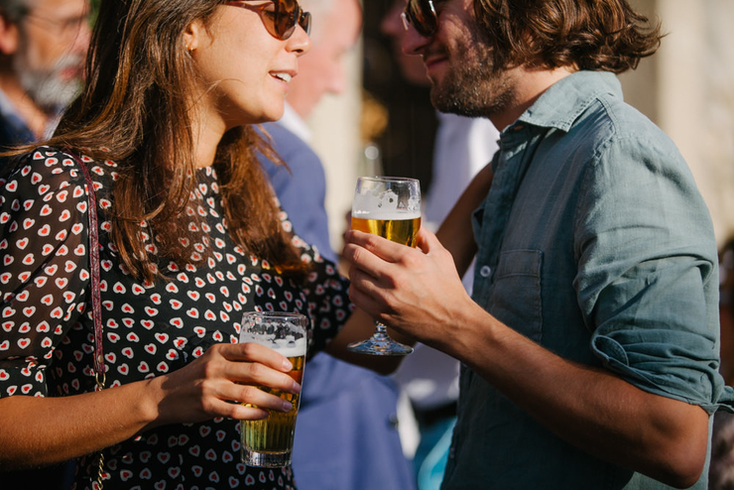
(421, 14)
(280, 17)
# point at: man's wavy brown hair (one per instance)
(136, 110)
(603, 35)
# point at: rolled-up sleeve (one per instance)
(647, 280)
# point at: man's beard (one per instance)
(472, 87)
(48, 88)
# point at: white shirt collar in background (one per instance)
(295, 124)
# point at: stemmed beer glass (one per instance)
(391, 208)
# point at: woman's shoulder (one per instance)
(49, 168)
(54, 177)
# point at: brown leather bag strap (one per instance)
(99, 364)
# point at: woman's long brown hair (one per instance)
(135, 110)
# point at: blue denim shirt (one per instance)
(595, 243)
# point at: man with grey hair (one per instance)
(43, 44)
(345, 435)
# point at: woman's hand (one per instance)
(71, 426)
(226, 373)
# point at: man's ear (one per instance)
(9, 36)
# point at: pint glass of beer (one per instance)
(269, 442)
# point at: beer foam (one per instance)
(385, 205)
(290, 347)
(387, 215)
(287, 347)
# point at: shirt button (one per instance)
(485, 271)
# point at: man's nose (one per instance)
(413, 41)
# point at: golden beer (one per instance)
(401, 231)
(389, 207)
(266, 439)
(269, 442)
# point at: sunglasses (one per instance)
(421, 14)
(280, 17)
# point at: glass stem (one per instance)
(380, 331)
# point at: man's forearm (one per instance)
(590, 408)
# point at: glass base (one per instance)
(380, 346)
(266, 460)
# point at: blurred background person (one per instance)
(43, 44)
(346, 434)
(721, 471)
(430, 378)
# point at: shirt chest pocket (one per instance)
(515, 295)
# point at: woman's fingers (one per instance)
(253, 397)
(251, 352)
(254, 364)
(238, 410)
(227, 377)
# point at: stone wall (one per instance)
(687, 88)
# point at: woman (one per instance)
(190, 237)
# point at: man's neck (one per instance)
(529, 84)
(34, 117)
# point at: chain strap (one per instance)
(100, 471)
(100, 376)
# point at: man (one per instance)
(590, 346)
(43, 44)
(345, 433)
(430, 378)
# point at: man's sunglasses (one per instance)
(422, 15)
(280, 17)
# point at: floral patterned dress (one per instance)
(46, 332)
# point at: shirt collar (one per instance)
(10, 114)
(560, 105)
(295, 124)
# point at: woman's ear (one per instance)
(9, 36)
(194, 35)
